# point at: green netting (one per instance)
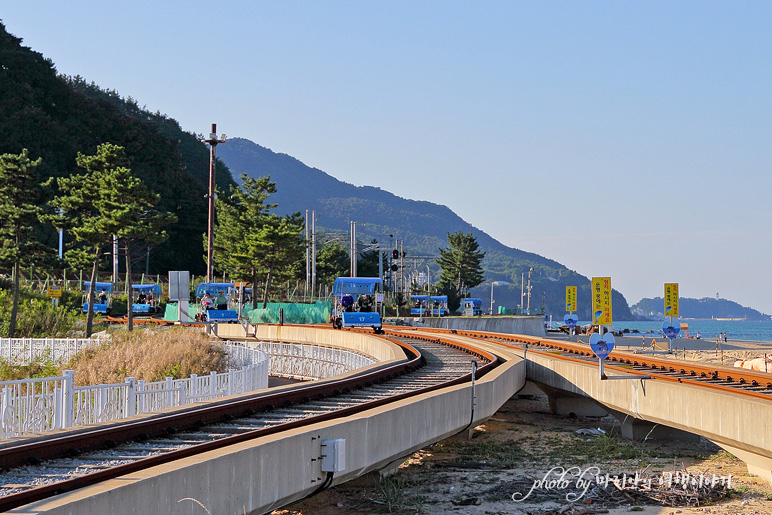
(171, 311)
(316, 313)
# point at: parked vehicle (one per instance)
(214, 303)
(355, 306)
(103, 295)
(147, 299)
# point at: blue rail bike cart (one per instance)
(103, 294)
(148, 296)
(210, 311)
(472, 307)
(354, 301)
(426, 305)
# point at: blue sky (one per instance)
(622, 139)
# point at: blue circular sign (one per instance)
(571, 321)
(602, 345)
(669, 330)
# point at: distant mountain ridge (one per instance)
(704, 308)
(423, 225)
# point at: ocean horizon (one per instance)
(749, 330)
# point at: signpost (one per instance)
(601, 301)
(570, 319)
(671, 310)
(54, 293)
(570, 298)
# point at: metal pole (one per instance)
(313, 252)
(210, 198)
(402, 265)
(213, 141)
(351, 248)
(308, 258)
(354, 248)
(492, 297)
(115, 262)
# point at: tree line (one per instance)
(105, 200)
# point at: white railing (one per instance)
(21, 351)
(36, 405)
(308, 361)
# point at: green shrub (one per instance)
(36, 316)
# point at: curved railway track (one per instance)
(42, 467)
(736, 380)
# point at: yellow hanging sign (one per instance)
(601, 301)
(671, 300)
(570, 298)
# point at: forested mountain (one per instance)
(698, 308)
(56, 117)
(423, 225)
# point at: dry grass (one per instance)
(150, 355)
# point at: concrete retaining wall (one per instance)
(531, 326)
(731, 420)
(360, 342)
(258, 476)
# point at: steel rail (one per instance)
(197, 418)
(743, 378)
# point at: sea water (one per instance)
(752, 330)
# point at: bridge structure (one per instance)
(274, 469)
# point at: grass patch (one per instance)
(506, 453)
(602, 447)
(393, 496)
(39, 368)
(150, 355)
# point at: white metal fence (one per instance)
(36, 405)
(308, 361)
(20, 351)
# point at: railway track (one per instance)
(44, 467)
(738, 380)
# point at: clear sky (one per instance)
(622, 139)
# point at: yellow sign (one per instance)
(601, 301)
(671, 299)
(55, 292)
(570, 298)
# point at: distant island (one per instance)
(705, 308)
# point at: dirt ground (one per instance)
(511, 456)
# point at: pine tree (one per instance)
(250, 242)
(461, 267)
(19, 194)
(331, 261)
(103, 201)
(137, 219)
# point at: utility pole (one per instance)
(308, 258)
(313, 252)
(213, 141)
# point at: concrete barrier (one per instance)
(740, 423)
(363, 343)
(267, 473)
(528, 325)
